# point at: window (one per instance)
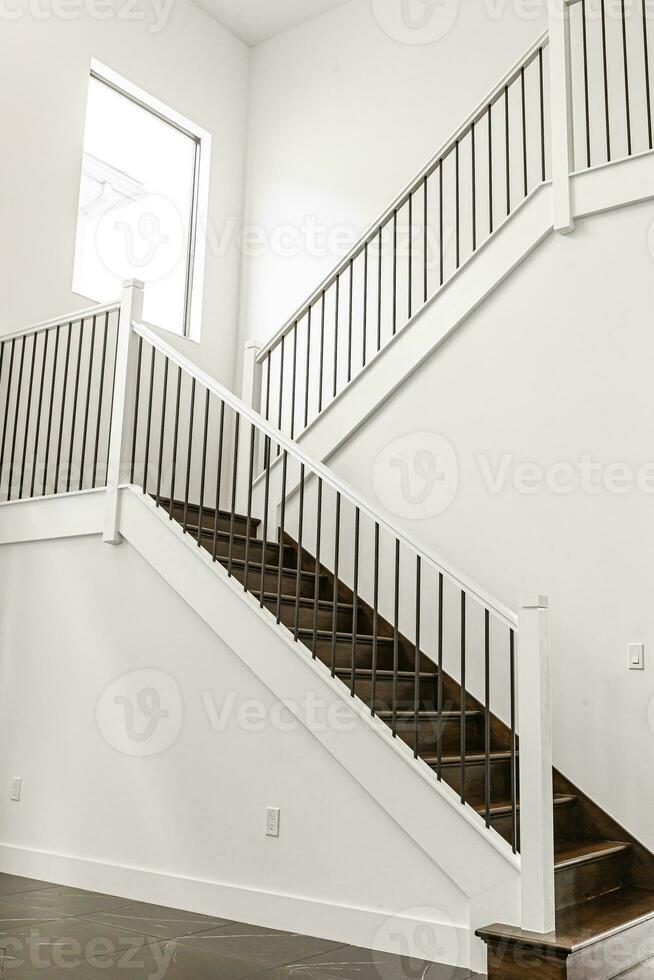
(144, 180)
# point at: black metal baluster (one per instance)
(63, 407)
(162, 433)
(416, 680)
(46, 335)
(237, 426)
(607, 113)
(396, 635)
(337, 301)
(137, 406)
(189, 454)
(306, 380)
(625, 58)
(507, 135)
(15, 423)
(298, 571)
(463, 697)
(74, 410)
(87, 404)
(337, 552)
(355, 600)
(394, 271)
(111, 400)
(219, 477)
(173, 464)
(280, 410)
(148, 424)
(264, 547)
(490, 167)
(365, 302)
(322, 350)
(375, 617)
(269, 368)
(441, 221)
(487, 717)
(584, 41)
(474, 186)
(439, 696)
(50, 411)
(294, 395)
(457, 205)
(410, 290)
(282, 529)
(379, 292)
(425, 240)
(524, 131)
(514, 797)
(203, 469)
(248, 531)
(28, 411)
(316, 587)
(350, 322)
(98, 420)
(646, 61)
(541, 78)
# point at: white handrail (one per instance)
(59, 321)
(510, 76)
(503, 613)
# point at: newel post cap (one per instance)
(534, 601)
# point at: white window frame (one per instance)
(196, 255)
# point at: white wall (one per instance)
(555, 365)
(195, 812)
(192, 64)
(342, 116)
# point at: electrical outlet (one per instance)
(272, 821)
(636, 656)
(16, 786)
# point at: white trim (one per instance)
(334, 921)
(58, 321)
(503, 613)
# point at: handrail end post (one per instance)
(536, 779)
(561, 113)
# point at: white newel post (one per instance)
(561, 113)
(536, 789)
(118, 464)
(251, 395)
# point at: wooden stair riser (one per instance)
(430, 733)
(305, 615)
(271, 580)
(475, 780)
(239, 546)
(563, 818)
(208, 519)
(384, 691)
(343, 652)
(587, 880)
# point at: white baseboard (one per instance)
(371, 928)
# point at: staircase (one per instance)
(604, 879)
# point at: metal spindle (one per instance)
(379, 292)
(64, 388)
(425, 240)
(322, 350)
(294, 392)
(375, 617)
(38, 410)
(474, 186)
(281, 537)
(410, 289)
(16, 413)
(248, 531)
(148, 423)
(394, 271)
(264, 547)
(98, 420)
(523, 95)
(298, 572)
(28, 410)
(396, 635)
(439, 681)
(365, 302)
(137, 404)
(605, 63)
(625, 58)
(514, 795)
(268, 370)
(87, 403)
(237, 425)
(163, 430)
(280, 411)
(355, 600)
(111, 400)
(219, 477)
(306, 379)
(507, 136)
(441, 221)
(350, 322)
(648, 93)
(173, 465)
(584, 41)
(487, 717)
(203, 469)
(337, 300)
(316, 587)
(189, 454)
(463, 696)
(74, 409)
(490, 167)
(50, 410)
(457, 204)
(416, 680)
(337, 550)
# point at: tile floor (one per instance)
(62, 932)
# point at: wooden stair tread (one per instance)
(304, 600)
(384, 674)
(344, 636)
(406, 714)
(209, 511)
(501, 807)
(570, 853)
(473, 759)
(208, 532)
(584, 924)
(253, 564)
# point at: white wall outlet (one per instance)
(636, 656)
(16, 786)
(272, 821)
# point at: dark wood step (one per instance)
(271, 579)
(602, 939)
(475, 775)
(342, 649)
(239, 543)
(209, 516)
(432, 730)
(404, 685)
(502, 818)
(588, 869)
(305, 611)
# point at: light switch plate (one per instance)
(636, 656)
(272, 821)
(16, 786)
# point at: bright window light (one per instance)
(138, 206)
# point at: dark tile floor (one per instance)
(80, 935)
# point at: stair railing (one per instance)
(436, 224)
(180, 439)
